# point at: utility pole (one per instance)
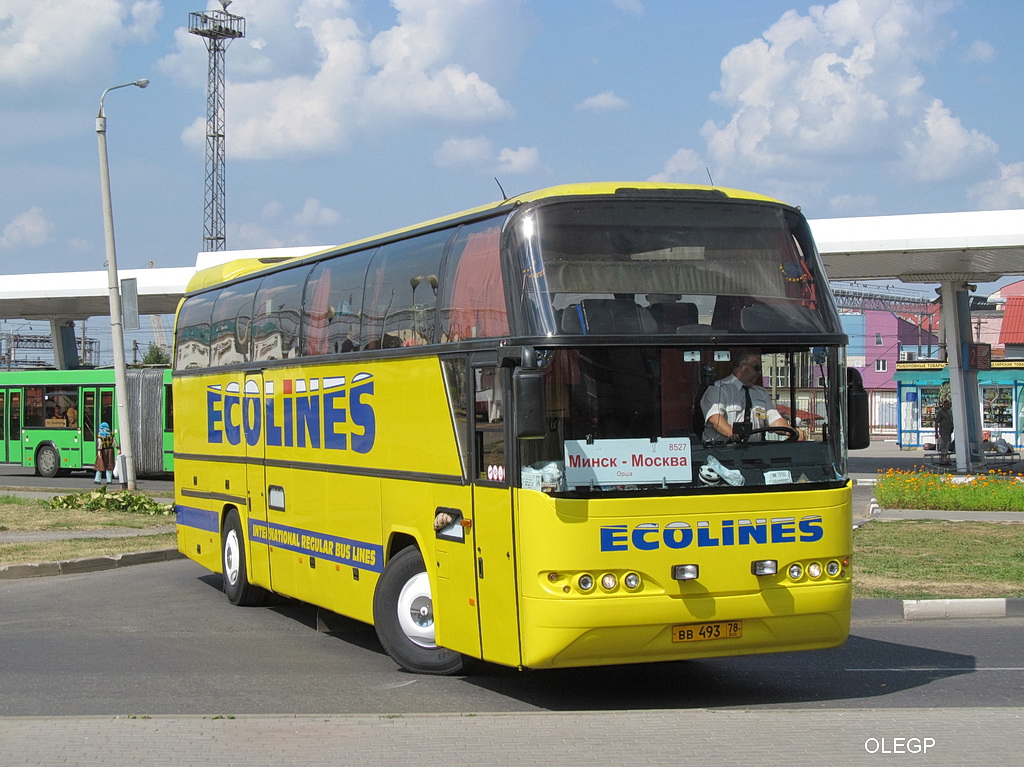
(218, 29)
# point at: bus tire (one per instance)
(236, 578)
(403, 616)
(47, 462)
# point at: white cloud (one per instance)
(521, 160)
(980, 51)
(54, 42)
(31, 229)
(331, 78)
(456, 152)
(684, 167)
(940, 148)
(315, 214)
(1005, 191)
(838, 87)
(602, 102)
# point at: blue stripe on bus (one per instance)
(201, 519)
(345, 551)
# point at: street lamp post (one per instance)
(116, 325)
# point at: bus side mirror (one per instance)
(858, 427)
(531, 407)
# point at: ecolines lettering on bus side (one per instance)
(650, 536)
(298, 413)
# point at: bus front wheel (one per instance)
(236, 579)
(48, 462)
(403, 614)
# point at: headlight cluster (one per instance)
(591, 583)
(817, 570)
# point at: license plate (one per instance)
(702, 632)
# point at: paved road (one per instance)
(102, 676)
(823, 730)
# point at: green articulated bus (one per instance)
(49, 418)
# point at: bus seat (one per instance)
(671, 315)
(763, 318)
(616, 316)
(571, 321)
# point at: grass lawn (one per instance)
(926, 559)
(21, 515)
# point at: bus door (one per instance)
(88, 423)
(493, 519)
(12, 426)
(259, 495)
(5, 428)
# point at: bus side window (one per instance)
(275, 325)
(192, 339)
(230, 324)
(401, 292)
(489, 418)
(473, 301)
(333, 303)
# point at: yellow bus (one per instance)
(484, 434)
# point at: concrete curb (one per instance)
(936, 609)
(87, 564)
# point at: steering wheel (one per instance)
(792, 435)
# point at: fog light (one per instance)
(685, 572)
(832, 568)
(814, 569)
(631, 581)
(764, 567)
(609, 581)
(585, 582)
(795, 572)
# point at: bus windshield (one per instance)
(692, 266)
(634, 418)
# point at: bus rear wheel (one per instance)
(236, 578)
(48, 462)
(403, 615)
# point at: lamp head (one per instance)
(142, 83)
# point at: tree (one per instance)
(156, 356)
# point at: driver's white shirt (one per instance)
(726, 397)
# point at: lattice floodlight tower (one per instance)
(218, 29)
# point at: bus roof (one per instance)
(241, 267)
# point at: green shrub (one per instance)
(119, 500)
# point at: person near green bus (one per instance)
(105, 444)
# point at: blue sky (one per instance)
(350, 117)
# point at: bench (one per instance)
(989, 458)
(995, 458)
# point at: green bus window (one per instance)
(401, 292)
(474, 293)
(192, 339)
(275, 326)
(230, 324)
(35, 409)
(15, 415)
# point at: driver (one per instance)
(737, 404)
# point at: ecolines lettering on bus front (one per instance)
(650, 536)
(302, 412)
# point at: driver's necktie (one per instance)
(748, 406)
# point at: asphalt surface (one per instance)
(947, 736)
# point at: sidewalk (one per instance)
(949, 736)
